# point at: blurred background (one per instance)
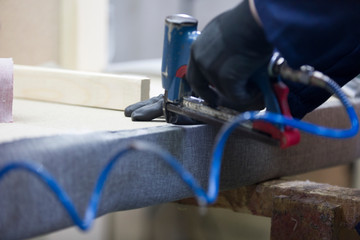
(126, 36)
(92, 34)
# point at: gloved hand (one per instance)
(153, 108)
(225, 58)
(146, 110)
(227, 54)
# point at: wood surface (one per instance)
(36, 119)
(298, 209)
(84, 34)
(100, 90)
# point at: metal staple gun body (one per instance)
(180, 32)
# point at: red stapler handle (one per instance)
(287, 136)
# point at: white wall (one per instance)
(29, 31)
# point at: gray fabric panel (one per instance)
(141, 179)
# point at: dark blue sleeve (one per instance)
(323, 34)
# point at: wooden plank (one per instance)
(84, 33)
(68, 30)
(79, 88)
(299, 209)
(300, 218)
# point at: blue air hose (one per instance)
(214, 177)
(228, 128)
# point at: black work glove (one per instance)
(225, 58)
(153, 108)
(146, 110)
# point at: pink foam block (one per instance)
(6, 89)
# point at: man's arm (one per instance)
(323, 35)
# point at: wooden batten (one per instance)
(100, 90)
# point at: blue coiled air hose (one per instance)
(282, 120)
(214, 177)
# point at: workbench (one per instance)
(74, 143)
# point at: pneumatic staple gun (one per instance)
(180, 32)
